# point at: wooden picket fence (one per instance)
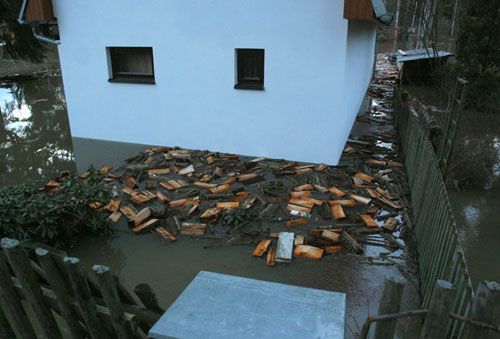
(45, 293)
(440, 254)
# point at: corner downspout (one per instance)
(381, 12)
(34, 27)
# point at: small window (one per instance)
(131, 64)
(250, 69)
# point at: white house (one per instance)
(274, 78)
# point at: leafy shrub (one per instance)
(57, 214)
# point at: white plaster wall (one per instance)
(299, 116)
(360, 56)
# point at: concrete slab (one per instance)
(223, 306)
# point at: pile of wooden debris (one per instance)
(284, 208)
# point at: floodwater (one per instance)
(477, 213)
(36, 144)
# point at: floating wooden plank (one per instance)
(115, 216)
(187, 170)
(149, 160)
(204, 185)
(229, 181)
(113, 205)
(210, 215)
(302, 202)
(310, 252)
(129, 212)
(131, 183)
(241, 196)
(295, 222)
(228, 205)
(391, 224)
(193, 229)
(258, 159)
(337, 212)
(363, 176)
(301, 194)
(285, 247)
(245, 177)
(333, 249)
(142, 216)
(320, 167)
(336, 191)
(332, 236)
(303, 170)
(144, 227)
(373, 193)
(165, 234)
(248, 203)
(321, 189)
(306, 187)
(128, 191)
(105, 169)
(271, 257)
(350, 242)
(315, 232)
(139, 198)
(220, 189)
(261, 248)
(389, 203)
(162, 197)
(368, 220)
(292, 207)
(360, 199)
(181, 202)
(299, 240)
(205, 178)
(149, 194)
(345, 202)
(173, 184)
(180, 154)
(210, 160)
(155, 171)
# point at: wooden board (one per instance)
(145, 226)
(165, 234)
(271, 257)
(332, 236)
(307, 251)
(306, 187)
(336, 191)
(261, 248)
(368, 220)
(193, 229)
(333, 249)
(301, 194)
(142, 216)
(228, 205)
(345, 202)
(361, 199)
(337, 212)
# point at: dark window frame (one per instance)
(115, 76)
(250, 68)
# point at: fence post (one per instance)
(110, 295)
(485, 308)
(436, 322)
(20, 264)
(390, 303)
(81, 291)
(59, 287)
(11, 305)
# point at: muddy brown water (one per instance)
(36, 144)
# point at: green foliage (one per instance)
(19, 40)
(478, 52)
(235, 217)
(57, 217)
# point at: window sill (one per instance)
(249, 86)
(147, 81)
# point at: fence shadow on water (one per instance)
(440, 254)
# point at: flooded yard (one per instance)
(36, 144)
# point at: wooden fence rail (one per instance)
(44, 292)
(440, 254)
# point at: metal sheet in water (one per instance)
(223, 306)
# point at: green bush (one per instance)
(56, 216)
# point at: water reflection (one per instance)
(35, 140)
